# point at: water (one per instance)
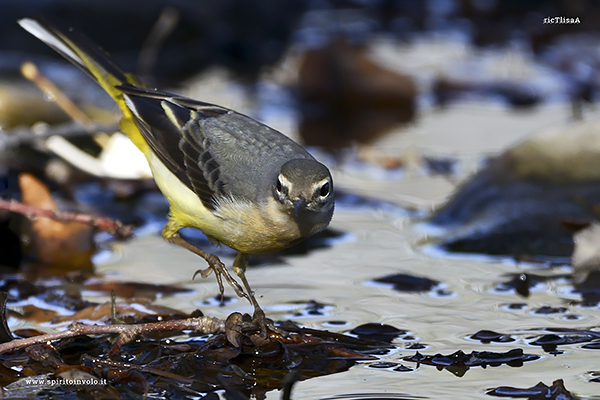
(385, 240)
(387, 236)
(341, 278)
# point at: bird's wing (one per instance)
(211, 149)
(169, 124)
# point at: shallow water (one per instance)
(383, 239)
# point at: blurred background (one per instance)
(380, 89)
(392, 58)
(450, 126)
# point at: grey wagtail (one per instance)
(237, 180)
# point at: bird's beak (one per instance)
(299, 205)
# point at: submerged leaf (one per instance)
(61, 245)
(459, 362)
(538, 392)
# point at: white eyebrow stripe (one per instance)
(285, 182)
(317, 185)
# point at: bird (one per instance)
(242, 183)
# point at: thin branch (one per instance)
(164, 26)
(205, 325)
(105, 224)
(30, 71)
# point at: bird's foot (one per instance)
(260, 320)
(264, 324)
(215, 265)
(256, 329)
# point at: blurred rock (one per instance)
(523, 201)
(346, 98)
(586, 256)
(60, 245)
(23, 104)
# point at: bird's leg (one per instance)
(239, 267)
(170, 234)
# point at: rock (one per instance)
(586, 256)
(23, 104)
(346, 98)
(523, 201)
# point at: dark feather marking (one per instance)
(199, 183)
(164, 151)
(186, 151)
(201, 160)
(206, 110)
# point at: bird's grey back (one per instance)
(212, 150)
(249, 153)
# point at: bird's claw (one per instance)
(221, 272)
(238, 326)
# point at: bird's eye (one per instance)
(325, 189)
(278, 185)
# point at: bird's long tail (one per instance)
(83, 53)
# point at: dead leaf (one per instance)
(62, 245)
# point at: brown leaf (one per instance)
(63, 245)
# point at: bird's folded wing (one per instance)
(181, 146)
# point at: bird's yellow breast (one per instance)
(242, 225)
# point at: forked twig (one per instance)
(30, 71)
(105, 224)
(205, 325)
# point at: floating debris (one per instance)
(538, 392)
(545, 310)
(156, 364)
(459, 362)
(490, 336)
(566, 336)
(378, 332)
(409, 283)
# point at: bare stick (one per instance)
(205, 325)
(30, 71)
(167, 21)
(105, 224)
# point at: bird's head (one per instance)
(304, 187)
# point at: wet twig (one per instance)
(205, 325)
(113, 227)
(164, 26)
(31, 72)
